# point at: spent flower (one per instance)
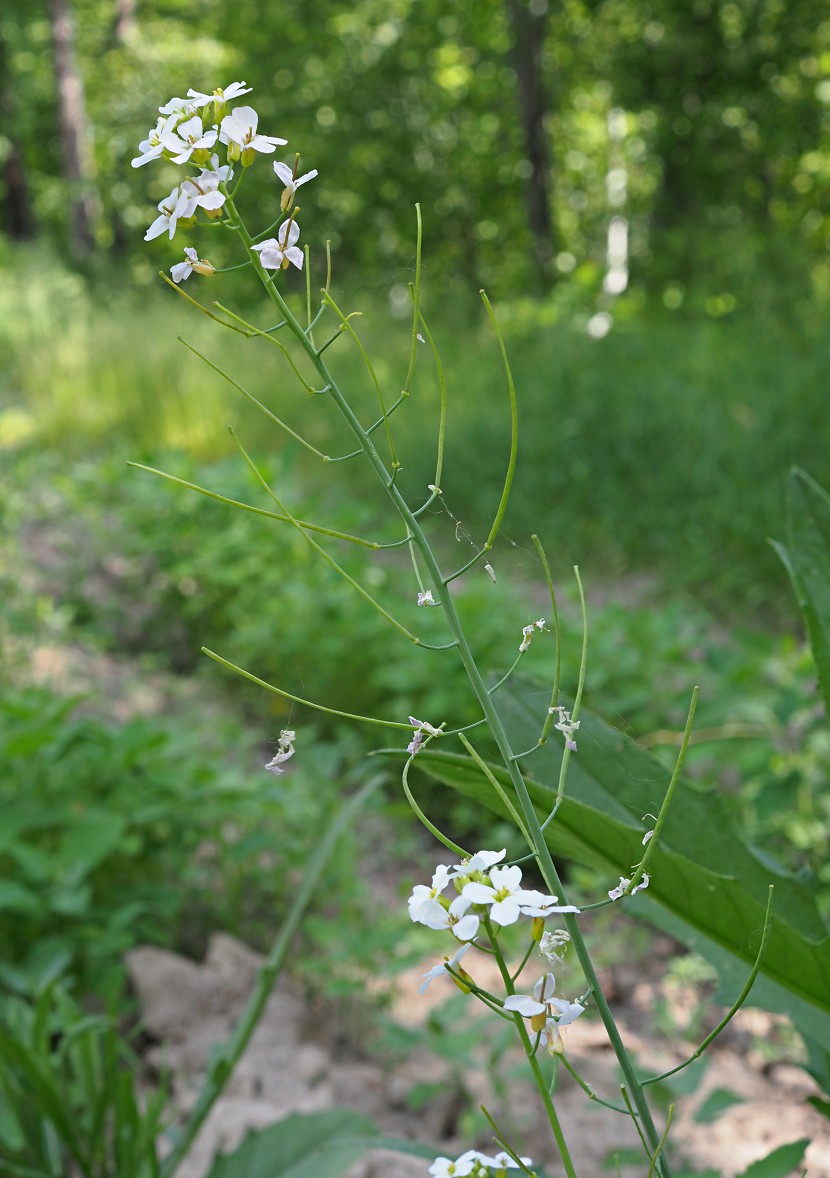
(622, 888)
(285, 749)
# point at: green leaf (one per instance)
(716, 1102)
(807, 560)
(707, 888)
(780, 1163)
(304, 1145)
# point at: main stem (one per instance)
(489, 710)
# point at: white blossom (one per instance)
(239, 131)
(192, 261)
(440, 970)
(188, 137)
(446, 1168)
(277, 252)
(508, 900)
(179, 204)
(435, 915)
(153, 146)
(421, 893)
(425, 597)
(235, 90)
(204, 188)
(292, 182)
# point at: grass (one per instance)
(662, 448)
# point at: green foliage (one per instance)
(70, 1094)
(145, 830)
(716, 912)
(310, 1145)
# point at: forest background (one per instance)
(641, 187)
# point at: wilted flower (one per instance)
(425, 597)
(622, 887)
(285, 749)
(566, 726)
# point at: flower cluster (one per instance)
(285, 749)
(483, 890)
(189, 131)
(476, 1165)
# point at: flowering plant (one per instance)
(479, 897)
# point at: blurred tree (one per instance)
(528, 19)
(76, 151)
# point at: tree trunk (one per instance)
(18, 221)
(125, 21)
(529, 23)
(78, 167)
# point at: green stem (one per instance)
(535, 1067)
(486, 702)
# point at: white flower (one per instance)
(285, 749)
(153, 146)
(482, 861)
(425, 597)
(622, 887)
(503, 1161)
(183, 270)
(528, 1007)
(179, 108)
(188, 137)
(508, 900)
(445, 1168)
(235, 90)
(292, 182)
(239, 131)
(568, 1012)
(204, 188)
(172, 209)
(421, 893)
(435, 915)
(440, 970)
(277, 252)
